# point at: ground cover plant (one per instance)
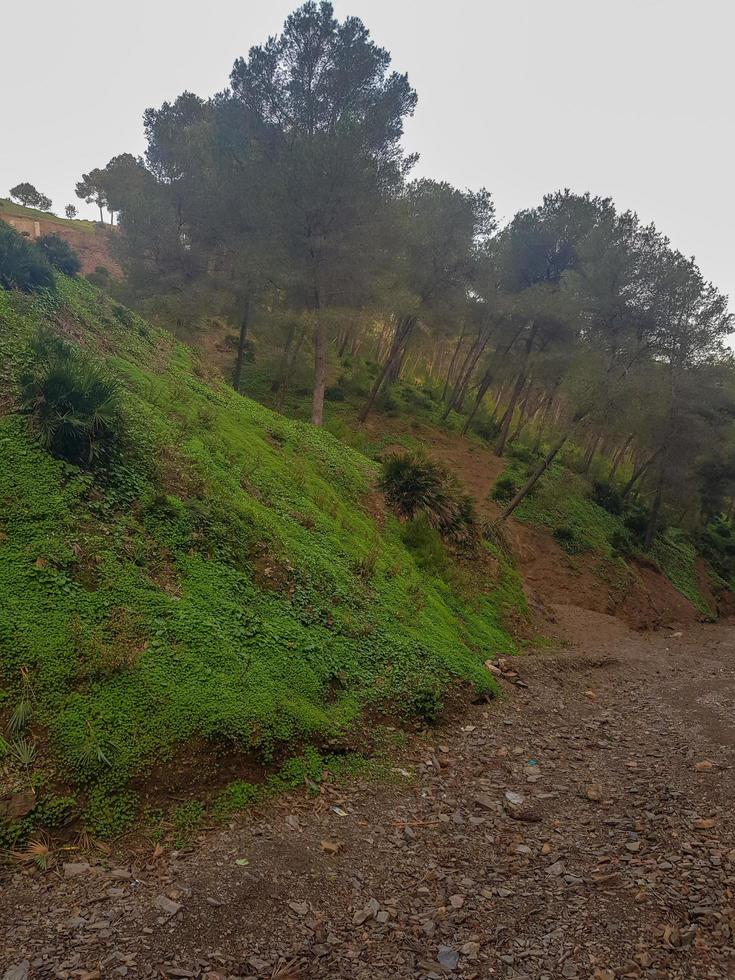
(219, 577)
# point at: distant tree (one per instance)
(59, 253)
(71, 211)
(22, 266)
(326, 117)
(90, 188)
(29, 197)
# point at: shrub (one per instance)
(570, 539)
(74, 405)
(717, 544)
(636, 520)
(334, 394)
(426, 703)
(22, 265)
(413, 485)
(486, 429)
(608, 497)
(59, 254)
(426, 544)
(504, 490)
(622, 542)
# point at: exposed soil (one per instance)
(93, 244)
(615, 858)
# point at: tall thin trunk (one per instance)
(508, 417)
(242, 341)
(400, 340)
(320, 365)
(590, 454)
(638, 472)
(450, 369)
(619, 457)
(481, 392)
(653, 518)
(535, 477)
(542, 421)
(289, 360)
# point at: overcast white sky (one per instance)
(627, 98)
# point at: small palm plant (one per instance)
(73, 404)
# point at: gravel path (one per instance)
(582, 827)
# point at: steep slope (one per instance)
(224, 580)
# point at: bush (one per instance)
(73, 404)
(504, 490)
(426, 544)
(59, 254)
(570, 539)
(22, 265)
(413, 485)
(636, 520)
(486, 429)
(622, 542)
(717, 544)
(334, 394)
(607, 497)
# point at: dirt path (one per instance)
(623, 866)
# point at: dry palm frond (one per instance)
(39, 851)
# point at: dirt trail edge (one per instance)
(582, 827)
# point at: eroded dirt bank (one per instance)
(584, 827)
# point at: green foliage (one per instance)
(717, 543)
(22, 266)
(212, 580)
(237, 796)
(74, 405)
(425, 702)
(414, 484)
(187, 820)
(426, 545)
(570, 538)
(505, 489)
(676, 556)
(108, 812)
(59, 254)
(28, 196)
(608, 497)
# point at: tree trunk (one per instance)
(653, 518)
(320, 366)
(533, 480)
(508, 417)
(638, 472)
(619, 457)
(589, 455)
(450, 369)
(481, 392)
(542, 421)
(241, 342)
(401, 338)
(289, 357)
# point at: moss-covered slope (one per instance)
(224, 579)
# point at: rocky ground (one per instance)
(581, 827)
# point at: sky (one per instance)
(631, 99)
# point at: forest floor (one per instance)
(583, 825)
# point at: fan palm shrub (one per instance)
(73, 404)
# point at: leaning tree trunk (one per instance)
(481, 392)
(450, 369)
(535, 477)
(619, 457)
(508, 417)
(638, 473)
(242, 341)
(400, 340)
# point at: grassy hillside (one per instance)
(225, 579)
(10, 207)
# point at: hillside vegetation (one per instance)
(222, 577)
